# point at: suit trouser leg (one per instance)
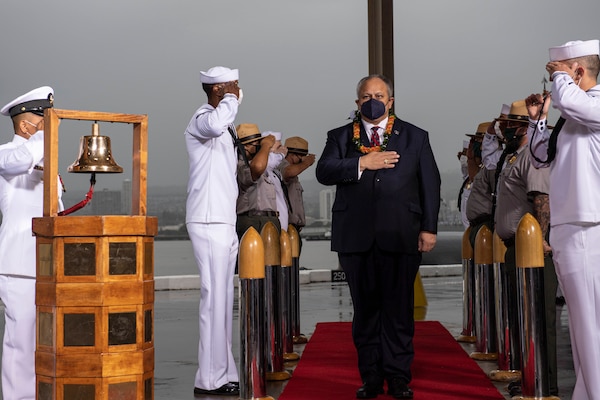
(215, 249)
(382, 289)
(18, 352)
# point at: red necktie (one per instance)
(374, 136)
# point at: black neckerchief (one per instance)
(551, 154)
(239, 146)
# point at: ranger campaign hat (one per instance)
(35, 101)
(219, 75)
(481, 130)
(517, 113)
(574, 49)
(248, 133)
(297, 145)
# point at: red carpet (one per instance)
(441, 370)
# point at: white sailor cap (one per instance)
(276, 134)
(574, 49)
(35, 101)
(505, 109)
(219, 75)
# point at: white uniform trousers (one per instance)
(577, 258)
(215, 249)
(18, 351)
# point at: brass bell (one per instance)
(95, 154)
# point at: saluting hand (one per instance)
(537, 106)
(267, 141)
(230, 87)
(308, 159)
(554, 66)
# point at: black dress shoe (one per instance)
(369, 391)
(228, 389)
(398, 389)
(514, 389)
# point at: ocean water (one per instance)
(176, 257)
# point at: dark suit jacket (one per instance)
(389, 206)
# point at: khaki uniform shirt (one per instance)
(480, 200)
(295, 190)
(517, 180)
(256, 195)
(295, 196)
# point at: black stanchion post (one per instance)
(274, 350)
(285, 299)
(529, 253)
(295, 239)
(253, 340)
(467, 334)
(485, 307)
(507, 326)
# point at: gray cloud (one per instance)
(455, 64)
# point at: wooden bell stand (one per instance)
(95, 285)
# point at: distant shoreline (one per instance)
(441, 228)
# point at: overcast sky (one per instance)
(456, 62)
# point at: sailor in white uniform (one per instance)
(21, 199)
(574, 196)
(210, 218)
(273, 173)
(491, 148)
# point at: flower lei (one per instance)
(386, 135)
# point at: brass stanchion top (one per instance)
(294, 240)
(286, 249)
(499, 249)
(467, 249)
(529, 248)
(270, 238)
(483, 246)
(251, 258)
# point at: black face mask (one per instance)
(372, 109)
(513, 144)
(509, 133)
(477, 149)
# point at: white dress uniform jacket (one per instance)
(575, 172)
(211, 218)
(575, 220)
(21, 199)
(212, 186)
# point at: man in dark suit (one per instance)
(384, 216)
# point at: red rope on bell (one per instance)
(83, 202)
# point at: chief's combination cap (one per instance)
(574, 49)
(35, 101)
(248, 133)
(219, 75)
(518, 112)
(276, 134)
(297, 145)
